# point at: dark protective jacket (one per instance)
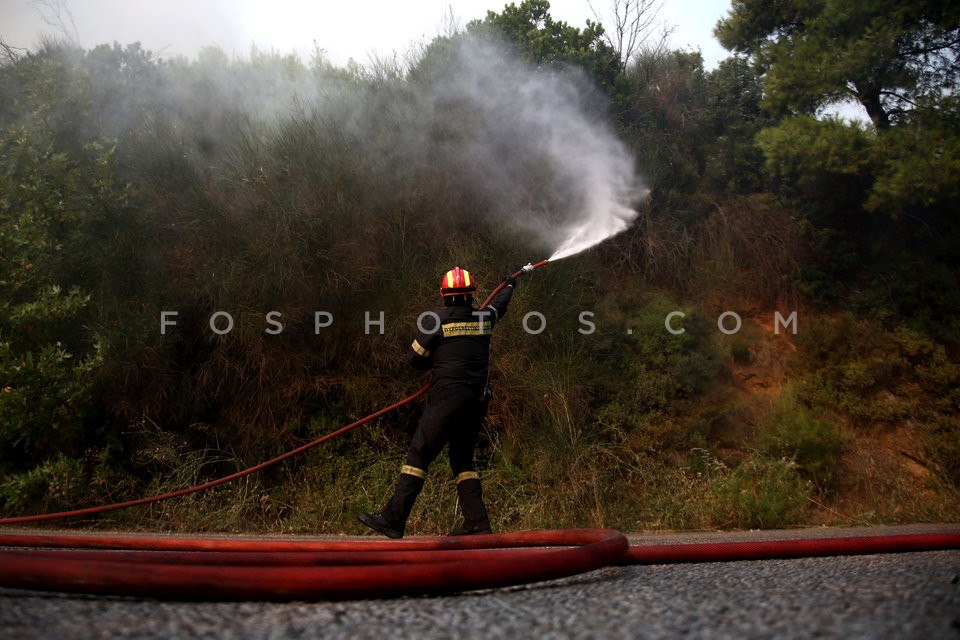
(457, 348)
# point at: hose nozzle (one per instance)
(527, 268)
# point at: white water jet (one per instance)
(538, 144)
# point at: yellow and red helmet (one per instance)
(457, 282)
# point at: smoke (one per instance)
(535, 142)
(526, 147)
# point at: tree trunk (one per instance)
(870, 99)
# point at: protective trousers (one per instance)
(453, 417)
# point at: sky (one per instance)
(343, 30)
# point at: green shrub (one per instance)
(651, 368)
(871, 373)
(761, 493)
(794, 432)
(57, 483)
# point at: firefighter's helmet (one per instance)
(457, 282)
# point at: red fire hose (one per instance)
(275, 570)
(284, 569)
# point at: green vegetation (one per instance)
(136, 190)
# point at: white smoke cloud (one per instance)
(528, 146)
(535, 141)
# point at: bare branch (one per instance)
(633, 27)
(451, 24)
(11, 53)
(55, 13)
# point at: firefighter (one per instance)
(457, 352)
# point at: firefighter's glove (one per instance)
(510, 281)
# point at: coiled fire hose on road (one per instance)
(306, 569)
(208, 568)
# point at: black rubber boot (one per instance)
(475, 519)
(378, 523)
(393, 519)
(472, 529)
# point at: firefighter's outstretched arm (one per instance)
(502, 299)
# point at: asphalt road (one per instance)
(906, 595)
